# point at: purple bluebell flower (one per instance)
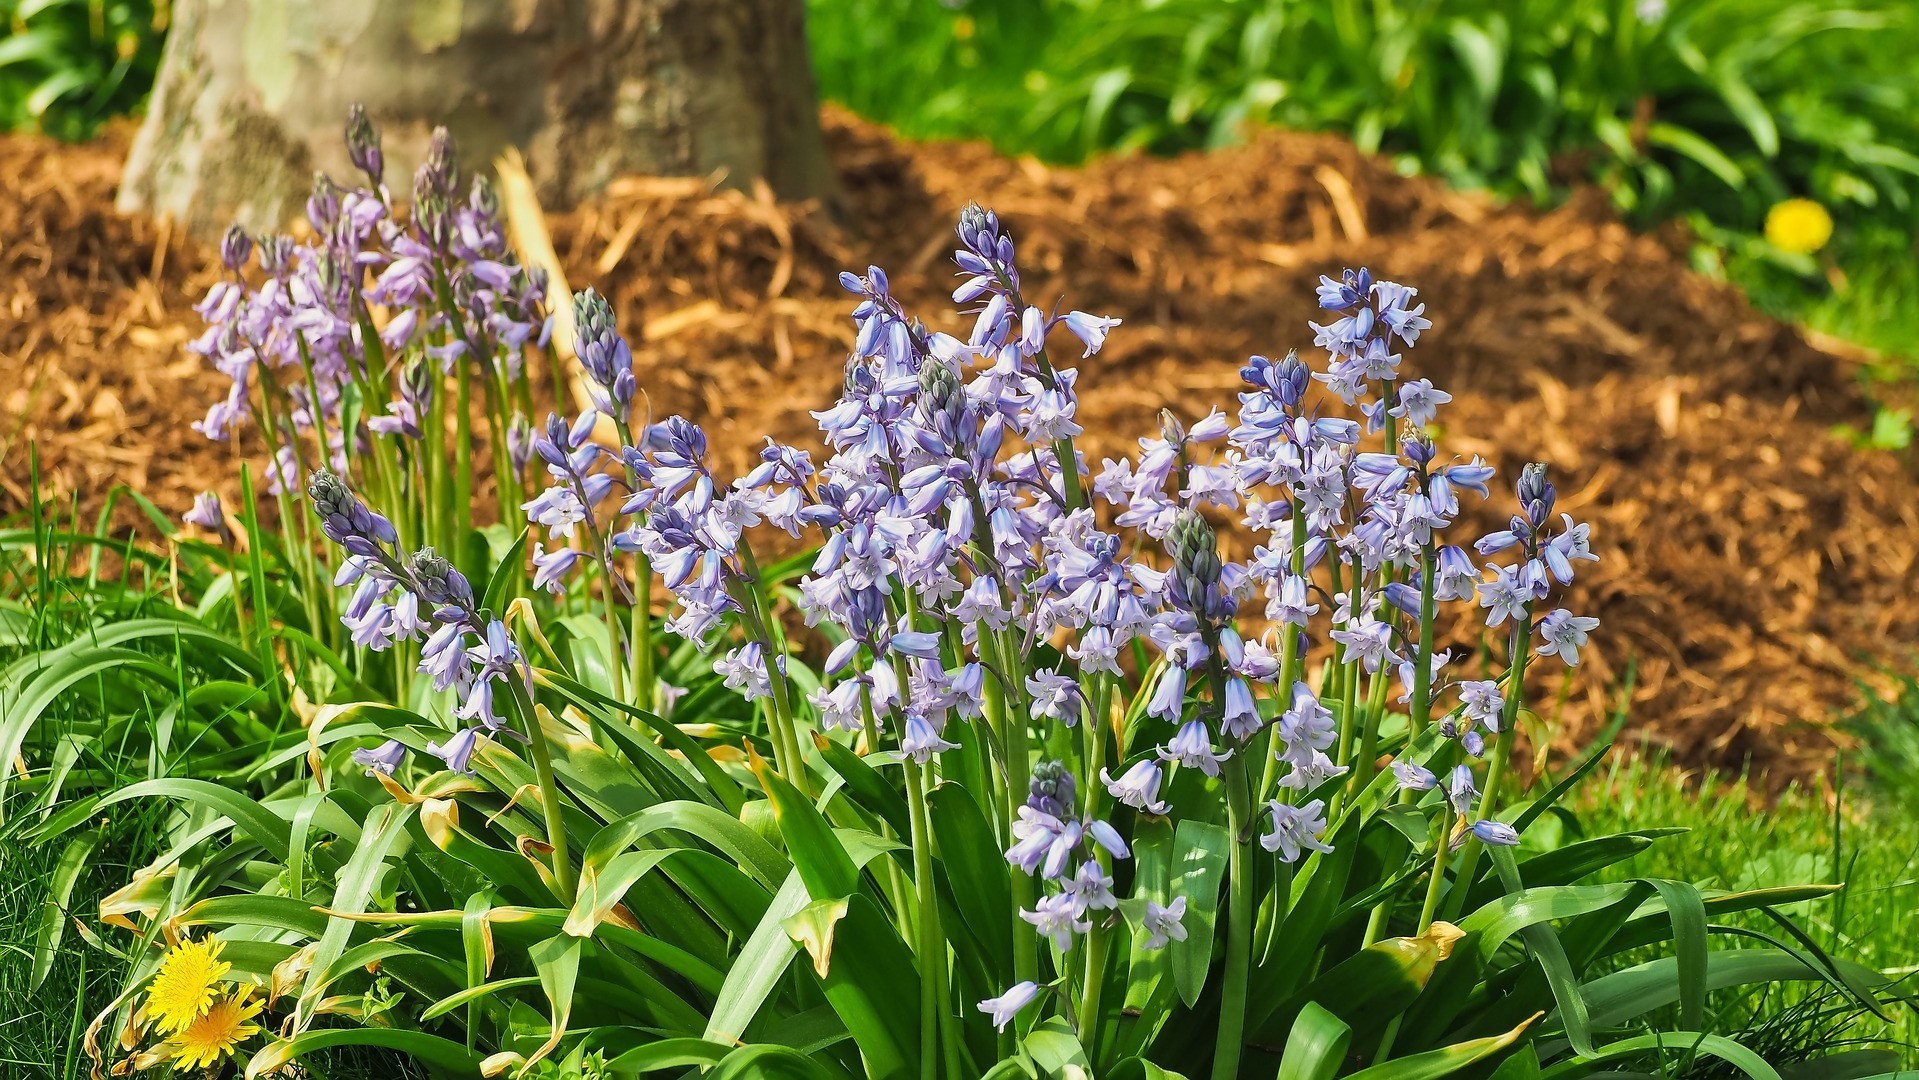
(208, 514)
(604, 354)
(1412, 776)
(1563, 634)
(1091, 888)
(1495, 833)
(381, 759)
(1482, 703)
(1164, 924)
(1192, 746)
(1009, 1005)
(458, 750)
(1055, 917)
(1460, 789)
(1240, 717)
(550, 568)
(1055, 697)
(1296, 830)
(921, 740)
(1138, 786)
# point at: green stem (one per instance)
(931, 948)
(550, 804)
(1502, 754)
(1239, 929)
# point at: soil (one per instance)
(1756, 571)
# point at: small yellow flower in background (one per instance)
(184, 987)
(218, 1032)
(1800, 226)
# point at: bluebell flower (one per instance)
(1054, 917)
(1461, 792)
(1368, 641)
(1008, 1005)
(1482, 703)
(1164, 924)
(1091, 888)
(1495, 833)
(1412, 776)
(1505, 596)
(1138, 786)
(1055, 697)
(458, 751)
(744, 669)
(207, 514)
(921, 740)
(1296, 830)
(1563, 634)
(383, 759)
(1456, 577)
(1240, 717)
(1306, 724)
(1192, 745)
(550, 568)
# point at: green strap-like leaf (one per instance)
(1445, 1061)
(1200, 850)
(762, 960)
(1671, 1042)
(1316, 1047)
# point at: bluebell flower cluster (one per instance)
(1223, 615)
(323, 317)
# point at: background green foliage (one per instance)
(68, 65)
(1706, 110)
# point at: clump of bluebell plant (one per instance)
(1069, 642)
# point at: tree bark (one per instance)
(252, 97)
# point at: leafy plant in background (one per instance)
(1708, 110)
(1029, 796)
(66, 66)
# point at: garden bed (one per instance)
(1754, 567)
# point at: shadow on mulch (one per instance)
(1753, 567)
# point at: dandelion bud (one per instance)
(235, 248)
(363, 143)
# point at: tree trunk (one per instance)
(252, 97)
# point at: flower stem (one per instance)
(550, 803)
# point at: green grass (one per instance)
(1741, 840)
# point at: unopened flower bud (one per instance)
(1053, 789)
(1170, 428)
(440, 581)
(276, 254)
(363, 144)
(1536, 495)
(323, 204)
(235, 248)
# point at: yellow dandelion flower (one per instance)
(1800, 226)
(218, 1032)
(184, 987)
